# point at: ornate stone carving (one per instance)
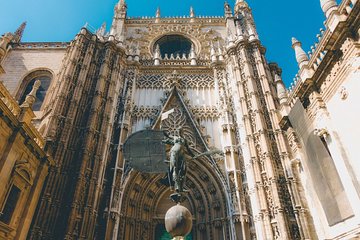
(343, 93)
(205, 112)
(187, 81)
(144, 112)
(200, 36)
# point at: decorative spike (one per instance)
(101, 31)
(19, 33)
(157, 55)
(240, 4)
(192, 13)
(300, 54)
(227, 9)
(192, 55)
(158, 12)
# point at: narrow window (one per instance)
(10, 204)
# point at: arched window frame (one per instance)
(194, 41)
(29, 78)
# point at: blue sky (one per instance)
(276, 20)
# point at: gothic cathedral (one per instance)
(290, 168)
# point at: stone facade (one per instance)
(289, 170)
(23, 168)
(322, 88)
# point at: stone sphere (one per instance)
(178, 221)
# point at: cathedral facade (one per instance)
(290, 168)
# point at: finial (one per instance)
(157, 55)
(328, 6)
(192, 13)
(157, 20)
(280, 89)
(192, 55)
(19, 33)
(240, 4)
(121, 7)
(31, 97)
(227, 9)
(158, 12)
(300, 54)
(101, 31)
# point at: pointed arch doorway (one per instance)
(145, 197)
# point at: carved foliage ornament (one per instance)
(158, 81)
(201, 37)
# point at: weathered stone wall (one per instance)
(20, 62)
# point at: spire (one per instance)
(158, 12)
(31, 97)
(101, 31)
(241, 4)
(157, 15)
(192, 55)
(328, 6)
(117, 26)
(19, 33)
(227, 9)
(300, 54)
(120, 9)
(192, 13)
(157, 55)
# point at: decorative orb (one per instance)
(178, 221)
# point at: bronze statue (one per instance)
(177, 168)
(177, 161)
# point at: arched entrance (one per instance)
(146, 200)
